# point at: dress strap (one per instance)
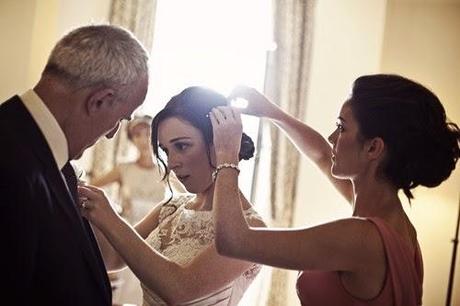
(404, 266)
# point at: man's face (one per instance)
(107, 121)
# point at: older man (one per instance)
(96, 76)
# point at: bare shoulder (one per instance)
(357, 238)
(363, 232)
(368, 252)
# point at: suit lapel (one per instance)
(82, 234)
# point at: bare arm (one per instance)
(345, 245)
(175, 283)
(112, 259)
(307, 140)
(342, 245)
(111, 177)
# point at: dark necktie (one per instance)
(71, 180)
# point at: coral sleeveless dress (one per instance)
(402, 287)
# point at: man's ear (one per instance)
(100, 99)
(375, 148)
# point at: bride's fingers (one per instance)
(213, 119)
(87, 193)
(218, 115)
(228, 112)
(84, 191)
(224, 111)
(236, 114)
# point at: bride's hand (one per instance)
(95, 206)
(227, 132)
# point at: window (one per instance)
(213, 43)
(217, 44)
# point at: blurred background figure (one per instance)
(140, 188)
(137, 193)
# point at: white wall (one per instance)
(422, 41)
(16, 20)
(29, 30)
(416, 38)
(348, 38)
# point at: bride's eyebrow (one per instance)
(179, 138)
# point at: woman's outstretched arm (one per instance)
(307, 140)
(345, 245)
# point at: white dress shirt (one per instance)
(48, 125)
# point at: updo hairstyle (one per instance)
(422, 146)
(193, 105)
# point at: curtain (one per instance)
(138, 16)
(286, 84)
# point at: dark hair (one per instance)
(146, 119)
(422, 147)
(193, 105)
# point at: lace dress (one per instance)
(182, 233)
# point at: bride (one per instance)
(171, 250)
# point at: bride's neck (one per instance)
(203, 200)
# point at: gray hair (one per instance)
(98, 55)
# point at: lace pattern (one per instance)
(183, 233)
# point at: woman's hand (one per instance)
(227, 130)
(258, 104)
(96, 207)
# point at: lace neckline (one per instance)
(192, 197)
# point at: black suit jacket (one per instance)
(49, 255)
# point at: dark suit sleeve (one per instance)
(20, 235)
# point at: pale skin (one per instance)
(175, 283)
(351, 246)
